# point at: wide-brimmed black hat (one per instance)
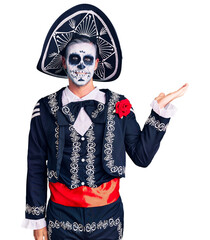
(87, 21)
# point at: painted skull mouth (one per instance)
(80, 72)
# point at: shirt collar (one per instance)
(68, 96)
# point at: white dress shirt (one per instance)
(83, 121)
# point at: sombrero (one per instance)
(88, 21)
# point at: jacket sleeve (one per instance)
(36, 184)
(142, 145)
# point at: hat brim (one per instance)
(83, 20)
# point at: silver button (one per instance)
(83, 160)
(82, 138)
(82, 183)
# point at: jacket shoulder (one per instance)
(121, 96)
(52, 95)
(114, 94)
(51, 102)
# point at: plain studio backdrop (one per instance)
(164, 44)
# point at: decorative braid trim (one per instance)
(109, 138)
(90, 169)
(156, 123)
(51, 174)
(74, 168)
(35, 210)
(99, 109)
(53, 103)
(89, 227)
(66, 111)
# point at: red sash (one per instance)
(84, 196)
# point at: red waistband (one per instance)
(85, 196)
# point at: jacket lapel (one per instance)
(113, 139)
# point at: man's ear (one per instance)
(96, 64)
(64, 62)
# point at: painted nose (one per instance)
(81, 66)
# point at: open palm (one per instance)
(163, 99)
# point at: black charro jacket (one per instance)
(121, 135)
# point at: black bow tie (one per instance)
(93, 108)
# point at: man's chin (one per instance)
(80, 82)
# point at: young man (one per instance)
(83, 132)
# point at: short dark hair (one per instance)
(79, 40)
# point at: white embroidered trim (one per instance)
(36, 111)
(74, 157)
(34, 224)
(99, 109)
(89, 227)
(53, 103)
(35, 210)
(66, 111)
(109, 138)
(35, 115)
(57, 138)
(51, 174)
(156, 123)
(90, 157)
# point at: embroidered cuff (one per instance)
(158, 122)
(35, 210)
(34, 224)
(168, 111)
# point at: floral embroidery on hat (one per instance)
(123, 108)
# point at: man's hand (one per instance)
(40, 234)
(163, 99)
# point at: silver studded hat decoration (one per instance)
(81, 21)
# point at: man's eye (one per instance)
(74, 59)
(87, 59)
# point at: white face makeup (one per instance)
(80, 62)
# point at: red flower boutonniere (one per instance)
(122, 108)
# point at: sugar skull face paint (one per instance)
(80, 62)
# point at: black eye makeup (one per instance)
(88, 60)
(74, 59)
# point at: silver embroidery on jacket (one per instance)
(156, 123)
(35, 210)
(51, 174)
(74, 168)
(66, 111)
(89, 227)
(90, 169)
(99, 109)
(109, 138)
(53, 103)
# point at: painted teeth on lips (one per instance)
(82, 73)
